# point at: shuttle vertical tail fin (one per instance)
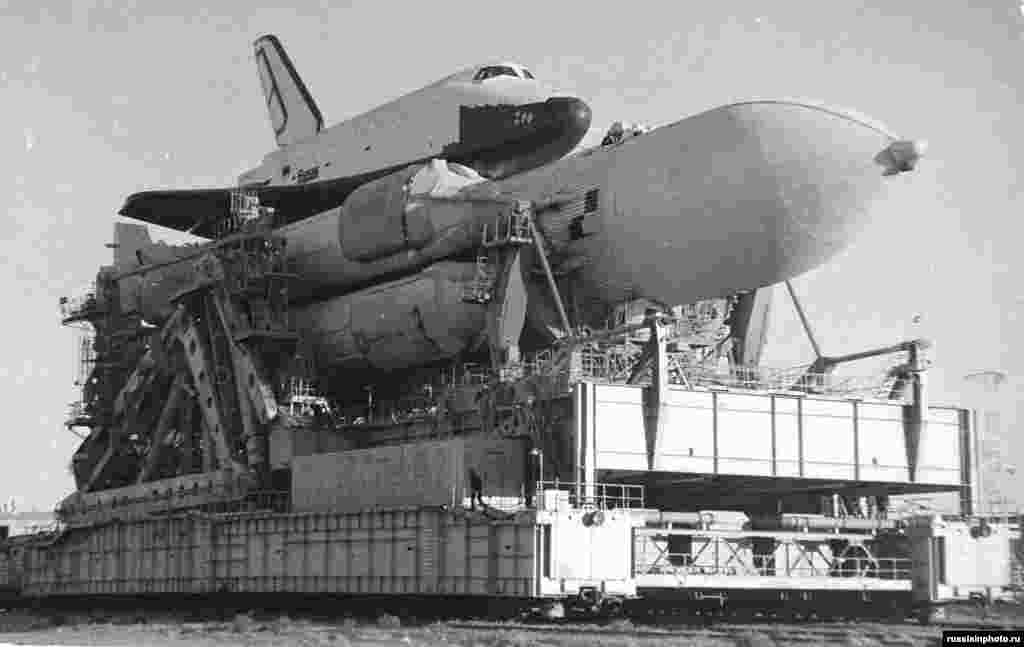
(293, 113)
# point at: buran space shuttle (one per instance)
(497, 120)
(387, 207)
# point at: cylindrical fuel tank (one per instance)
(735, 198)
(381, 218)
(412, 321)
(398, 223)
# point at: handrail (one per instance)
(611, 365)
(212, 499)
(79, 306)
(557, 495)
(689, 563)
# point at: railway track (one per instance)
(702, 623)
(781, 632)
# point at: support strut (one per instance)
(539, 243)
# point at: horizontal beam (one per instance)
(695, 582)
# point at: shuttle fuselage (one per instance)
(497, 119)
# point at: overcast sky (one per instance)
(103, 99)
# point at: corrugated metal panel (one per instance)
(6, 572)
(559, 224)
(130, 558)
(478, 558)
(419, 551)
(514, 559)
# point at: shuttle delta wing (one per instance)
(183, 210)
(197, 211)
(294, 115)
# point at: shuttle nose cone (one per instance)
(573, 114)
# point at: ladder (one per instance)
(510, 229)
(481, 289)
(245, 207)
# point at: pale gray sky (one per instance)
(101, 99)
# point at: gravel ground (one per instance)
(33, 630)
(24, 628)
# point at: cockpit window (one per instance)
(495, 70)
(527, 73)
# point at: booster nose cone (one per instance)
(901, 156)
(573, 114)
(739, 197)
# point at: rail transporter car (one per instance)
(614, 471)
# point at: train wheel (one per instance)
(612, 608)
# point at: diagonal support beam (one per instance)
(127, 407)
(163, 428)
(662, 550)
(656, 395)
(539, 244)
(199, 364)
(734, 555)
(254, 394)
